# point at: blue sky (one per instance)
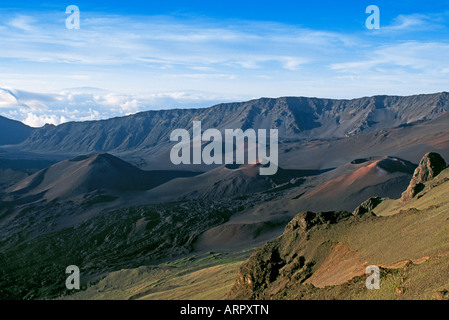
(130, 56)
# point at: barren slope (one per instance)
(331, 251)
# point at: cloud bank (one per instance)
(84, 104)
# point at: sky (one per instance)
(131, 56)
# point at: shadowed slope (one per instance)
(84, 174)
(228, 181)
(13, 132)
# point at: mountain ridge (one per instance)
(13, 132)
(294, 117)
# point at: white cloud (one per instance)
(412, 55)
(205, 76)
(292, 63)
(82, 104)
(7, 99)
(23, 22)
(115, 40)
(166, 57)
(413, 22)
(34, 120)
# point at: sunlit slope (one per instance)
(209, 276)
(325, 255)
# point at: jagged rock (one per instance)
(367, 206)
(413, 189)
(276, 263)
(430, 166)
(306, 220)
(256, 274)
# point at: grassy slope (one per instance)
(411, 282)
(408, 240)
(199, 277)
(405, 230)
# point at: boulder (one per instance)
(430, 166)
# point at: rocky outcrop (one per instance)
(430, 166)
(367, 207)
(286, 259)
(304, 221)
(321, 255)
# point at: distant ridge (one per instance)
(294, 117)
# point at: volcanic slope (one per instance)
(319, 256)
(342, 189)
(409, 141)
(84, 174)
(228, 181)
(324, 255)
